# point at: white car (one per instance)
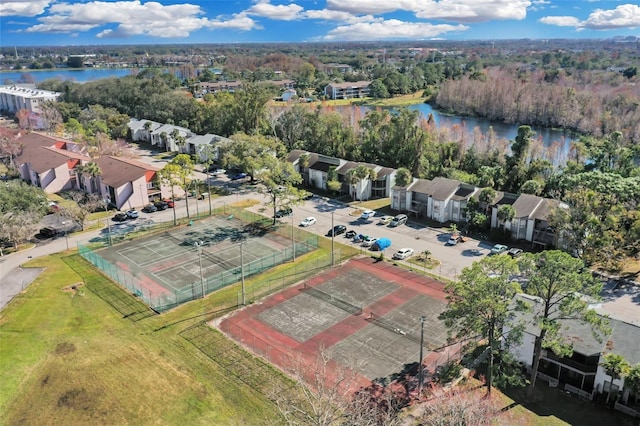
(367, 214)
(368, 241)
(308, 221)
(403, 253)
(132, 214)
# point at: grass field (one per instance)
(96, 355)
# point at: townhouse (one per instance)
(349, 90)
(128, 183)
(49, 163)
(54, 165)
(17, 97)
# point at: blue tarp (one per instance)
(381, 244)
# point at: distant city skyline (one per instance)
(81, 22)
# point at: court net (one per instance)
(338, 303)
(394, 327)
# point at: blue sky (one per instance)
(78, 22)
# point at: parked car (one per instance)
(455, 239)
(170, 203)
(238, 176)
(515, 252)
(367, 214)
(385, 220)
(308, 221)
(498, 249)
(381, 244)
(359, 238)
(287, 211)
(161, 205)
(368, 241)
(400, 219)
(350, 234)
(336, 230)
(216, 170)
(403, 253)
(47, 233)
(132, 214)
(120, 217)
(149, 208)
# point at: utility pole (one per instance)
(198, 245)
(420, 378)
(293, 240)
(333, 237)
(242, 270)
(106, 205)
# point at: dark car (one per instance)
(120, 217)
(350, 234)
(161, 205)
(287, 211)
(149, 208)
(47, 233)
(337, 230)
(238, 176)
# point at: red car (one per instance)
(170, 203)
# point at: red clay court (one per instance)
(363, 314)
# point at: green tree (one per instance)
(403, 177)
(616, 367)
(357, 175)
(561, 285)
(279, 180)
(480, 305)
(185, 172)
(506, 213)
(249, 153)
(632, 381)
(22, 207)
(532, 187)
(92, 170)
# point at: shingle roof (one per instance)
(543, 210)
(346, 167)
(463, 192)
(384, 172)
(38, 151)
(118, 171)
(443, 188)
(294, 155)
(421, 186)
(526, 204)
(321, 166)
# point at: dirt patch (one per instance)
(74, 289)
(77, 399)
(65, 348)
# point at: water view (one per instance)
(78, 75)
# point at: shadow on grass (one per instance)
(554, 402)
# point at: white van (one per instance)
(400, 219)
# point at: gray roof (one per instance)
(625, 340)
(543, 210)
(342, 170)
(384, 172)
(421, 186)
(526, 205)
(207, 139)
(443, 188)
(294, 155)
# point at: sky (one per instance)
(81, 22)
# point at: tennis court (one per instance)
(364, 315)
(170, 267)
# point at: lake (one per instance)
(556, 141)
(80, 76)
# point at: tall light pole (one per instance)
(333, 237)
(242, 270)
(293, 240)
(420, 379)
(106, 204)
(198, 245)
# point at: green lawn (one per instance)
(97, 355)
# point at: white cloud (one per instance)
(561, 21)
(134, 18)
(23, 8)
(281, 12)
(450, 10)
(474, 10)
(391, 29)
(623, 16)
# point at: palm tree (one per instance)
(357, 175)
(93, 171)
(632, 381)
(506, 213)
(616, 367)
